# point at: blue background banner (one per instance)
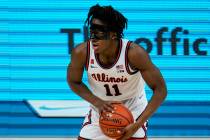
(35, 42)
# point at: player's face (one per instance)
(99, 35)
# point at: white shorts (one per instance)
(91, 129)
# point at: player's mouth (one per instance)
(95, 47)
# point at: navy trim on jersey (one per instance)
(110, 66)
(143, 127)
(89, 119)
(126, 60)
(87, 55)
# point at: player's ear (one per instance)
(113, 35)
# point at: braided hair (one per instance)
(113, 19)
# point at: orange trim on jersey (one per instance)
(110, 66)
(88, 55)
(126, 59)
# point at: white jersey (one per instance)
(117, 82)
(114, 83)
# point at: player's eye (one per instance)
(98, 35)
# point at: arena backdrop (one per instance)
(36, 38)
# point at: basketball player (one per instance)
(117, 69)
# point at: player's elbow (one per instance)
(162, 91)
(70, 82)
(164, 94)
(74, 85)
(160, 94)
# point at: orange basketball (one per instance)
(111, 124)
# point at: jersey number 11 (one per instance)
(116, 89)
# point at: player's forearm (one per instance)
(158, 97)
(83, 91)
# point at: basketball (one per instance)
(111, 124)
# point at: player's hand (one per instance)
(105, 106)
(129, 131)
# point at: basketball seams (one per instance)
(112, 125)
(131, 115)
(128, 111)
(122, 113)
(120, 116)
(113, 135)
(123, 117)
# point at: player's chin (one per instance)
(97, 51)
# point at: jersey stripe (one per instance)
(126, 60)
(88, 55)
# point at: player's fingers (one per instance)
(116, 102)
(108, 107)
(122, 131)
(123, 137)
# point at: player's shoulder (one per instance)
(79, 53)
(136, 50)
(80, 49)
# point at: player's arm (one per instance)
(139, 59)
(74, 77)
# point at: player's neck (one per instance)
(112, 50)
(109, 56)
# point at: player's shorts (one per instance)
(91, 129)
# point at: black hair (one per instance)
(113, 19)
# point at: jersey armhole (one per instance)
(88, 55)
(128, 67)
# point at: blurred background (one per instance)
(36, 38)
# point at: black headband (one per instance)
(102, 28)
(95, 32)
